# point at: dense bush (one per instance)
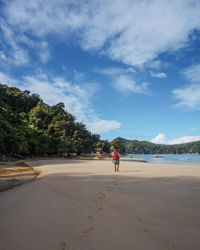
(28, 126)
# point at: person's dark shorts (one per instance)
(116, 161)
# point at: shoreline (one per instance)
(156, 158)
(16, 173)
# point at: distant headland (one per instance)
(145, 147)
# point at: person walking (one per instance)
(116, 160)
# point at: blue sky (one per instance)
(124, 68)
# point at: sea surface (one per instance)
(186, 159)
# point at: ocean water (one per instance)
(186, 159)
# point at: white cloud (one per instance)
(17, 55)
(78, 76)
(113, 71)
(159, 139)
(132, 32)
(125, 84)
(123, 81)
(43, 17)
(76, 97)
(137, 31)
(154, 64)
(187, 97)
(2, 56)
(20, 56)
(43, 51)
(193, 73)
(132, 70)
(15, 43)
(5, 79)
(103, 125)
(158, 74)
(184, 139)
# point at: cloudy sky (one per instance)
(128, 68)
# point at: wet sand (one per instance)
(79, 204)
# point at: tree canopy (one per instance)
(28, 126)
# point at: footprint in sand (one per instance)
(99, 208)
(108, 188)
(146, 230)
(139, 218)
(90, 218)
(72, 228)
(171, 244)
(101, 195)
(62, 246)
(88, 230)
(85, 233)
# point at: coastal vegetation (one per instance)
(28, 126)
(144, 147)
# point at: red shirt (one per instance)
(116, 156)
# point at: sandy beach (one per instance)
(84, 204)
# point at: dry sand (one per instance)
(77, 204)
(15, 174)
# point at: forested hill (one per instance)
(28, 126)
(145, 147)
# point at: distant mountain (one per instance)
(145, 147)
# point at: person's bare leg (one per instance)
(115, 167)
(118, 168)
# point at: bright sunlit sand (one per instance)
(79, 204)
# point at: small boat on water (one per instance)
(158, 156)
